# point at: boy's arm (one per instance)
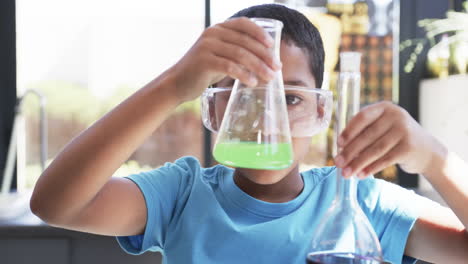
(439, 234)
(383, 134)
(77, 192)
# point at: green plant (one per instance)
(66, 100)
(450, 33)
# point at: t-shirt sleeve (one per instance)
(163, 189)
(392, 210)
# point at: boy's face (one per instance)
(296, 71)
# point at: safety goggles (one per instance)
(309, 109)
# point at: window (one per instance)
(87, 56)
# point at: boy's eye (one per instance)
(292, 99)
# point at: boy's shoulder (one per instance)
(187, 161)
(193, 167)
(193, 164)
(318, 175)
(320, 171)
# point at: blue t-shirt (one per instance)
(199, 215)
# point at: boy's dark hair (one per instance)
(297, 29)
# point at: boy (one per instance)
(220, 215)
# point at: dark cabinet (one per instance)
(51, 251)
(27, 242)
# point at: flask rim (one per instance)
(268, 24)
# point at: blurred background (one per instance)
(64, 64)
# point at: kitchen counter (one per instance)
(26, 239)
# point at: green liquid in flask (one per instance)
(271, 156)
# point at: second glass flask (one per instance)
(255, 131)
(344, 234)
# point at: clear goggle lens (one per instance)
(309, 109)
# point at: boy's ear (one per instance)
(320, 111)
(320, 108)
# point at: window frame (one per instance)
(7, 79)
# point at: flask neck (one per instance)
(276, 35)
(273, 28)
(348, 104)
(346, 190)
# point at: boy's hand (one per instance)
(381, 135)
(237, 48)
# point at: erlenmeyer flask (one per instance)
(345, 235)
(255, 132)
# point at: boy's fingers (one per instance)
(234, 70)
(245, 25)
(372, 153)
(359, 122)
(368, 136)
(243, 57)
(246, 41)
(390, 158)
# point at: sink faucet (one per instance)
(12, 148)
